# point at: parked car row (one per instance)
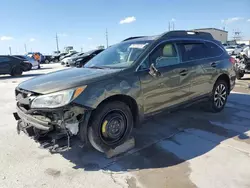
(234, 49)
(79, 59)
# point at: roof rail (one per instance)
(130, 38)
(187, 34)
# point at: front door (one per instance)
(169, 88)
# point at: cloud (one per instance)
(32, 39)
(231, 20)
(62, 35)
(128, 20)
(248, 20)
(6, 38)
(173, 20)
(89, 38)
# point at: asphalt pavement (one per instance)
(187, 148)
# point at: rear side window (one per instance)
(192, 51)
(213, 50)
(4, 59)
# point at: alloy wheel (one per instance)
(220, 96)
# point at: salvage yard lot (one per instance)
(187, 148)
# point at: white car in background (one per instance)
(66, 61)
(35, 64)
(233, 50)
(30, 59)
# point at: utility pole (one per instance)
(173, 25)
(57, 46)
(10, 50)
(25, 48)
(107, 38)
(169, 27)
(81, 49)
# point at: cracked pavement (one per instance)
(187, 148)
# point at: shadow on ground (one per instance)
(169, 139)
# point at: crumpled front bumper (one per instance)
(29, 119)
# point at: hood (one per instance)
(65, 79)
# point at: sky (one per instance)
(83, 23)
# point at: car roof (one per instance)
(175, 35)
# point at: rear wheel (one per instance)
(219, 96)
(239, 75)
(110, 126)
(46, 61)
(16, 71)
(56, 61)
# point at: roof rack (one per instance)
(187, 34)
(130, 38)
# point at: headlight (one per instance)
(58, 99)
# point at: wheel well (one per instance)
(132, 104)
(225, 77)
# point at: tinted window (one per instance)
(192, 51)
(4, 59)
(164, 55)
(213, 50)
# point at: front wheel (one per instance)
(219, 96)
(110, 126)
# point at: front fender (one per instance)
(97, 92)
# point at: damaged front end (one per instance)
(48, 125)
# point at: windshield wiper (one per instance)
(95, 67)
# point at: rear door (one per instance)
(5, 65)
(194, 56)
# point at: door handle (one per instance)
(213, 64)
(183, 72)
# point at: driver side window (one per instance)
(164, 55)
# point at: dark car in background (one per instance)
(56, 57)
(67, 55)
(81, 60)
(13, 65)
(114, 91)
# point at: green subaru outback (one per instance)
(138, 77)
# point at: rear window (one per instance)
(213, 50)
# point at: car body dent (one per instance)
(122, 85)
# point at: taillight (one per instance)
(232, 60)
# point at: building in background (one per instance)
(218, 34)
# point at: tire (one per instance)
(16, 71)
(56, 61)
(239, 75)
(46, 61)
(218, 105)
(110, 126)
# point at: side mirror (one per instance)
(153, 71)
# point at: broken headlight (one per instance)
(57, 99)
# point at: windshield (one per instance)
(121, 55)
(230, 47)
